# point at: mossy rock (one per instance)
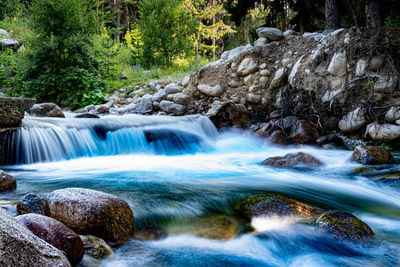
(212, 226)
(150, 233)
(275, 205)
(344, 226)
(363, 170)
(95, 247)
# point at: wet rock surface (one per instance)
(275, 205)
(95, 247)
(92, 212)
(46, 110)
(372, 155)
(343, 225)
(56, 234)
(32, 203)
(293, 160)
(16, 239)
(7, 182)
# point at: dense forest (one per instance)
(74, 52)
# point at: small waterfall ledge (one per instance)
(55, 139)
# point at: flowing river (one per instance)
(171, 169)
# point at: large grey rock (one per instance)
(32, 203)
(10, 43)
(179, 98)
(211, 90)
(172, 89)
(236, 51)
(172, 108)
(289, 33)
(353, 121)
(185, 81)
(12, 110)
(272, 34)
(247, 66)
(261, 41)
(225, 55)
(393, 114)
(4, 33)
(46, 110)
(93, 212)
(56, 234)
(383, 132)
(160, 95)
(276, 81)
(142, 106)
(20, 247)
(338, 65)
(385, 84)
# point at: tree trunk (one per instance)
(213, 23)
(117, 19)
(332, 15)
(373, 14)
(127, 16)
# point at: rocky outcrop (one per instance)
(276, 205)
(372, 155)
(92, 212)
(56, 234)
(95, 247)
(32, 203)
(294, 160)
(7, 182)
(228, 114)
(19, 247)
(46, 110)
(343, 225)
(12, 110)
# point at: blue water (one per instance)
(165, 187)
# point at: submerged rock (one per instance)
(7, 182)
(95, 247)
(32, 203)
(92, 212)
(150, 233)
(20, 247)
(56, 234)
(391, 179)
(343, 225)
(46, 110)
(372, 155)
(87, 115)
(293, 160)
(275, 205)
(216, 227)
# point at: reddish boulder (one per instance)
(7, 182)
(56, 234)
(278, 138)
(293, 160)
(303, 133)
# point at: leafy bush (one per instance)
(167, 29)
(61, 65)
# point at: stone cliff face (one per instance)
(345, 80)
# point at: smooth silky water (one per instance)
(171, 169)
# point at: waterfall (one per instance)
(54, 139)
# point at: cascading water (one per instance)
(171, 170)
(54, 139)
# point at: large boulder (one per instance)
(293, 160)
(10, 43)
(228, 114)
(92, 212)
(32, 203)
(46, 110)
(172, 108)
(338, 65)
(383, 132)
(12, 110)
(247, 66)
(272, 34)
(56, 234)
(372, 155)
(353, 121)
(172, 89)
(20, 247)
(393, 114)
(211, 90)
(142, 106)
(343, 225)
(179, 98)
(268, 205)
(7, 182)
(95, 247)
(303, 133)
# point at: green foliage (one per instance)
(9, 8)
(10, 63)
(167, 29)
(61, 65)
